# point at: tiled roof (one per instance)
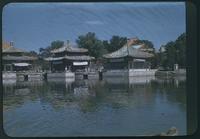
(69, 48)
(84, 57)
(17, 58)
(79, 57)
(5, 45)
(13, 50)
(128, 51)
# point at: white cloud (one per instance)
(94, 22)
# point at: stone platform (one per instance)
(129, 73)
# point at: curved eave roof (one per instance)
(13, 50)
(128, 51)
(69, 49)
(16, 58)
(70, 58)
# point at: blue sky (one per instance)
(35, 25)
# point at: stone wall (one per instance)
(9, 75)
(129, 73)
(115, 73)
(91, 75)
(133, 72)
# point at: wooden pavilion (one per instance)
(15, 59)
(69, 58)
(130, 56)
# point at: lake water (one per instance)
(111, 107)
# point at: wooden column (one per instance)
(11, 67)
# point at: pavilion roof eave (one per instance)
(128, 51)
(75, 58)
(13, 50)
(127, 56)
(69, 49)
(22, 58)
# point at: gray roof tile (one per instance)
(128, 51)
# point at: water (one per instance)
(111, 107)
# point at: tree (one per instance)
(175, 52)
(116, 42)
(32, 53)
(147, 43)
(56, 44)
(46, 52)
(171, 54)
(92, 43)
(180, 45)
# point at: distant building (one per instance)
(14, 59)
(130, 56)
(69, 58)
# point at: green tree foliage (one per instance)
(45, 52)
(149, 46)
(147, 43)
(175, 53)
(97, 47)
(171, 54)
(180, 46)
(116, 42)
(92, 43)
(32, 53)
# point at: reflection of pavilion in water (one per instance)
(176, 80)
(124, 83)
(83, 88)
(17, 93)
(90, 94)
(77, 87)
(115, 91)
(127, 89)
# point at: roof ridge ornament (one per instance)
(11, 44)
(67, 45)
(132, 41)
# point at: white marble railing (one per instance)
(9, 75)
(130, 72)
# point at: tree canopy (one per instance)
(45, 52)
(92, 43)
(116, 42)
(175, 53)
(97, 47)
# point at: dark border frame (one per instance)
(192, 35)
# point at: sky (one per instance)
(34, 25)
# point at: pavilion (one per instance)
(69, 58)
(15, 59)
(128, 57)
(132, 59)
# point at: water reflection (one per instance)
(134, 99)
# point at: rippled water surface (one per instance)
(111, 107)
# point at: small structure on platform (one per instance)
(15, 59)
(131, 59)
(69, 58)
